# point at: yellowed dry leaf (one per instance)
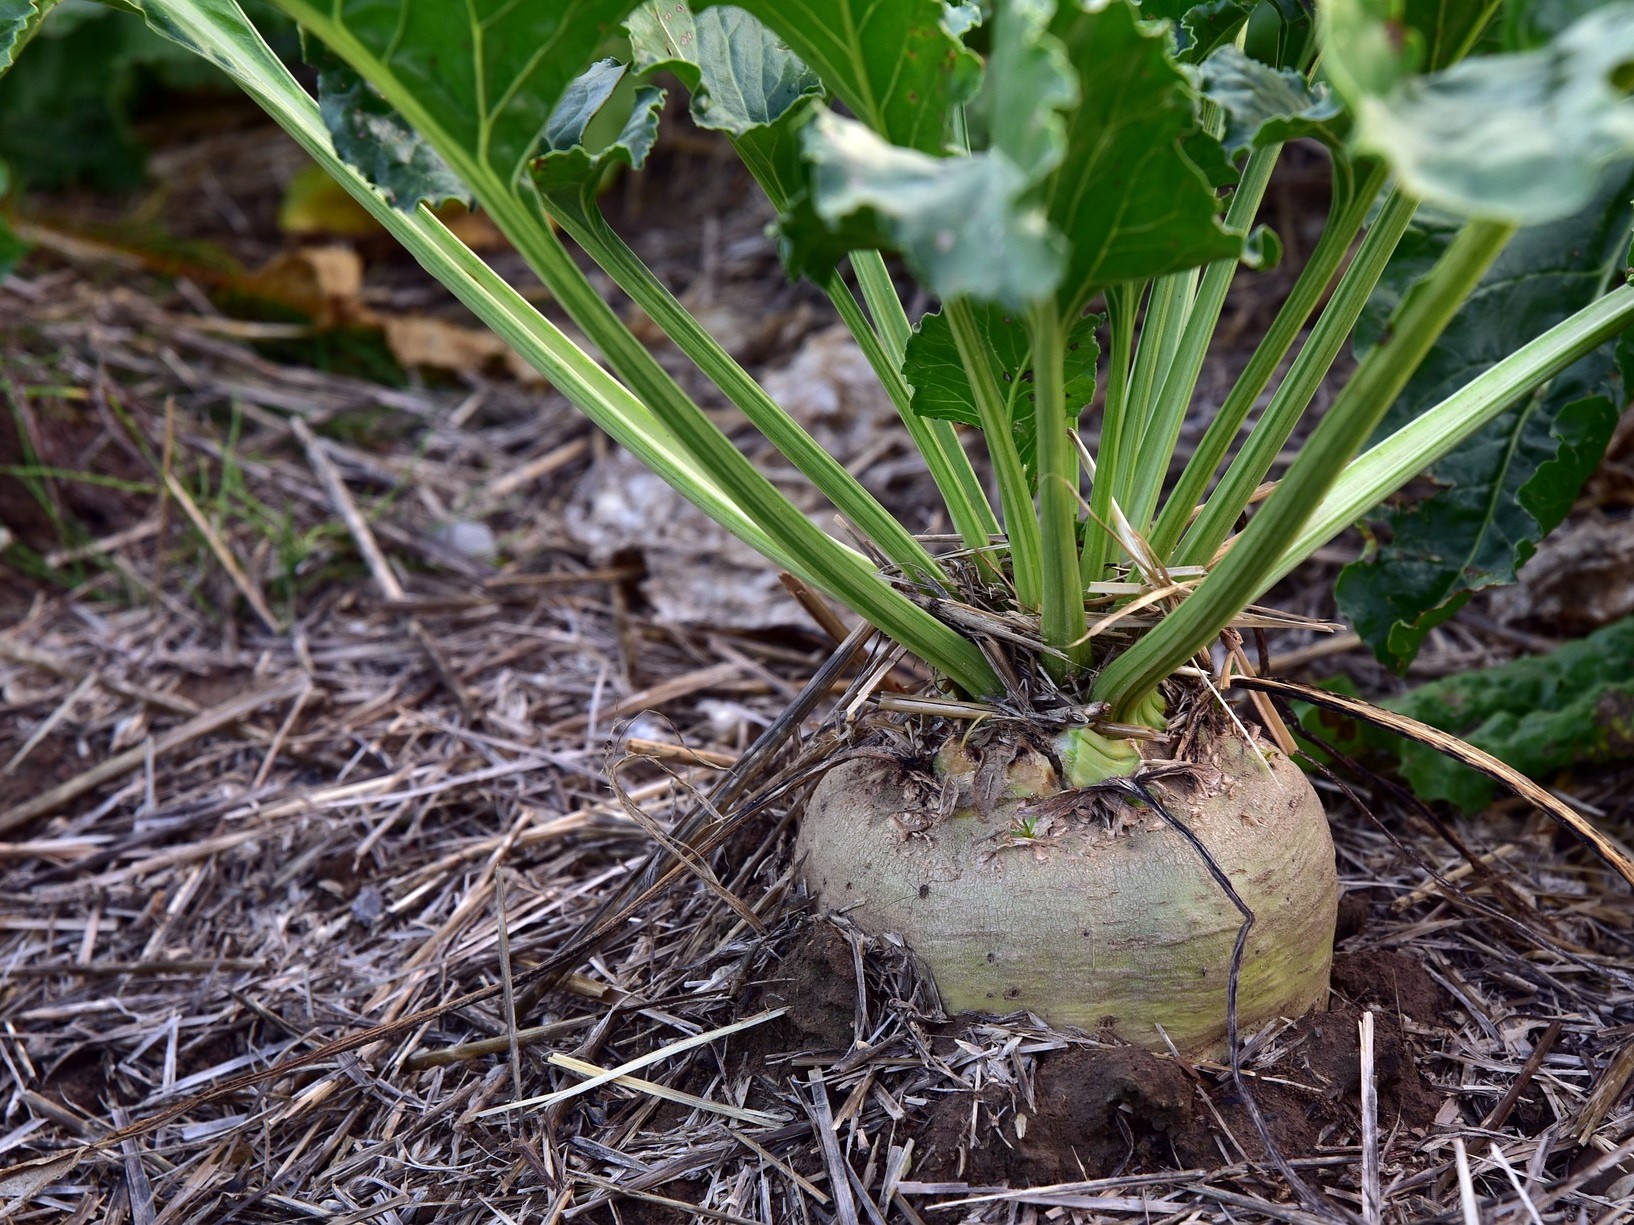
(440, 345)
(322, 282)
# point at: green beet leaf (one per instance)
(897, 66)
(744, 82)
(375, 140)
(1268, 106)
(573, 163)
(1129, 199)
(740, 75)
(483, 76)
(965, 224)
(1096, 172)
(1508, 486)
(940, 389)
(1520, 137)
(19, 19)
(970, 225)
(1541, 714)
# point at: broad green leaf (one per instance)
(940, 389)
(1541, 714)
(743, 80)
(1130, 201)
(375, 140)
(480, 79)
(19, 19)
(963, 223)
(968, 224)
(894, 63)
(1519, 137)
(1029, 82)
(1200, 25)
(1509, 485)
(1105, 192)
(569, 170)
(740, 75)
(1267, 106)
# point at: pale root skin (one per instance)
(1100, 930)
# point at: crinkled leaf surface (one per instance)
(743, 79)
(569, 170)
(933, 369)
(894, 63)
(18, 21)
(485, 75)
(1200, 25)
(969, 224)
(741, 75)
(1107, 190)
(1512, 483)
(1267, 106)
(1519, 137)
(963, 223)
(1130, 201)
(375, 140)
(1541, 714)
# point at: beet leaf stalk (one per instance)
(1074, 188)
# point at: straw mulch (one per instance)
(281, 759)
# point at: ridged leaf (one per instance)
(569, 169)
(741, 75)
(1095, 171)
(1512, 483)
(1541, 714)
(970, 225)
(1519, 137)
(1268, 106)
(894, 63)
(743, 79)
(1129, 199)
(964, 224)
(374, 139)
(486, 74)
(18, 21)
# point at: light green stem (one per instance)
(784, 535)
(938, 441)
(1162, 430)
(1167, 308)
(1345, 219)
(1062, 616)
(1248, 569)
(1020, 519)
(1299, 387)
(1100, 546)
(591, 231)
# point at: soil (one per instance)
(1394, 982)
(1094, 1110)
(816, 980)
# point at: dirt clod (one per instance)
(1095, 1112)
(1376, 978)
